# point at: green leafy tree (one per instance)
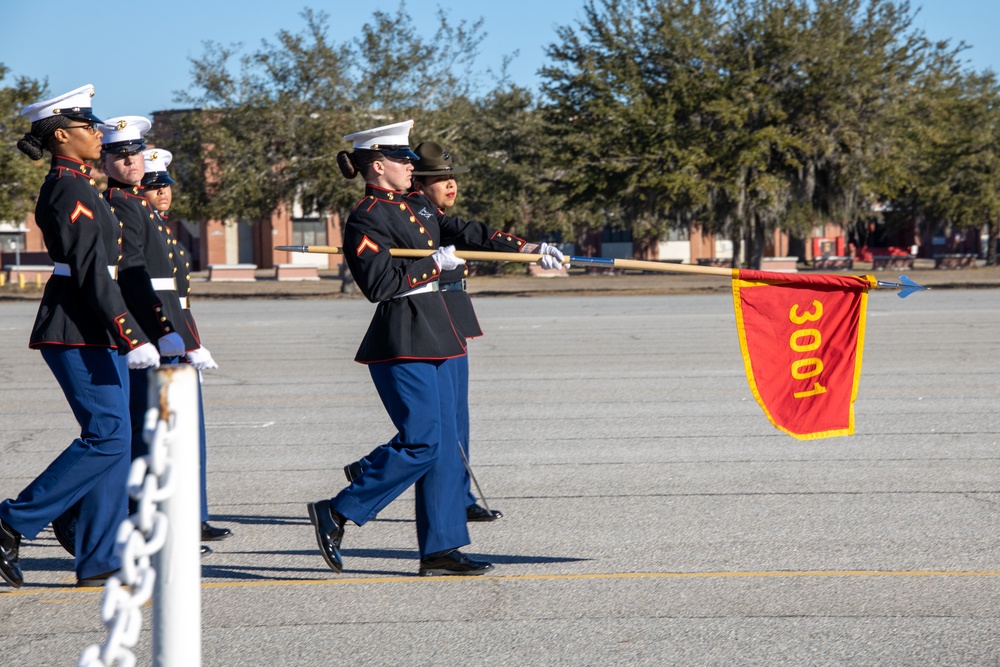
(269, 124)
(626, 98)
(20, 177)
(748, 116)
(260, 137)
(959, 161)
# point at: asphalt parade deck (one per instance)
(653, 516)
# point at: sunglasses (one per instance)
(90, 128)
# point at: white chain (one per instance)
(150, 482)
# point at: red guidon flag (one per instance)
(802, 338)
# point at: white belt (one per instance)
(429, 287)
(184, 303)
(61, 269)
(164, 284)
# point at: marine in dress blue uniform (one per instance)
(156, 177)
(148, 275)
(435, 161)
(148, 298)
(88, 337)
(408, 348)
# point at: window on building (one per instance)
(612, 235)
(308, 231)
(679, 234)
(11, 241)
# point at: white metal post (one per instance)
(177, 591)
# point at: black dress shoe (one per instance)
(210, 533)
(452, 562)
(476, 512)
(205, 550)
(329, 532)
(352, 471)
(10, 561)
(64, 528)
(95, 581)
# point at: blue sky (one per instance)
(137, 57)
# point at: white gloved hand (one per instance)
(144, 356)
(552, 257)
(202, 359)
(171, 345)
(445, 258)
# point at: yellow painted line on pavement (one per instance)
(618, 575)
(404, 579)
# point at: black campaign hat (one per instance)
(434, 160)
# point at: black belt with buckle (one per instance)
(457, 286)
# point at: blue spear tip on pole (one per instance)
(905, 286)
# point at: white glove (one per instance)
(144, 356)
(445, 258)
(202, 359)
(171, 345)
(552, 257)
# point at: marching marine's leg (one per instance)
(460, 371)
(94, 467)
(409, 393)
(460, 378)
(209, 533)
(100, 513)
(394, 467)
(440, 497)
(440, 493)
(416, 395)
(459, 368)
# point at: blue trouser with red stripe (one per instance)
(460, 373)
(92, 472)
(420, 399)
